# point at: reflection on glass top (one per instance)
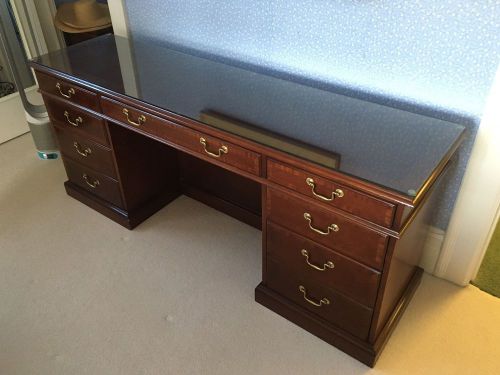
(386, 146)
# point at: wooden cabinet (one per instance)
(340, 252)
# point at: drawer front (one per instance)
(322, 266)
(332, 194)
(334, 307)
(86, 152)
(219, 150)
(327, 228)
(71, 117)
(68, 91)
(94, 182)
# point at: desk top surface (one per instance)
(395, 149)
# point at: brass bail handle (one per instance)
(322, 301)
(78, 121)
(71, 91)
(328, 264)
(140, 120)
(338, 193)
(222, 150)
(92, 184)
(86, 152)
(331, 227)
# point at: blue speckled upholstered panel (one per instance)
(427, 56)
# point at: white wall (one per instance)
(476, 210)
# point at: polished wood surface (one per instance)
(94, 182)
(68, 91)
(347, 276)
(352, 201)
(90, 126)
(362, 247)
(85, 151)
(352, 239)
(178, 135)
(340, 310)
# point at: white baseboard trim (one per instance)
(432, 249)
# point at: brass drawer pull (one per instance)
(140, 120)
(92, 184)
(338, 193)
(78, 148)
(222, 150)
(331, 227)
(78, 121)
(328, 264)
(71, 91)
(323, 301)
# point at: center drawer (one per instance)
(218, 150)
(346, 236)
(322, 266)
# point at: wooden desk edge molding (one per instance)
(340, 254)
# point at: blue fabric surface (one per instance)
(431, 57)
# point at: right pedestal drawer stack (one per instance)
(333, 261)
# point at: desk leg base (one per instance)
(363, 351)
(125, 218)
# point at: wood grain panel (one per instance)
(98, 157)
(351, 278)
(352, 239)
(90, 125)
(68, 91)
(341, 311)
(105, 187)
(353, 201)
(179, 135)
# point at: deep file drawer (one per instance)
(324, 302)
(94, 182)
(321, 265)
(346, 236)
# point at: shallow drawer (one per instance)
(216, 149)
(321, 266)
(94, 182)
(86, 152)
(331, 193)
(324, 302)
(71, 117)
(327, 228)
(68, 91)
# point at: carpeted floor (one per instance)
(81, 295)
(488, 278)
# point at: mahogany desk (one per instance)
(343, 189)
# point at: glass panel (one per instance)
(396, 149)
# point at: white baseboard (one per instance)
(432, 249)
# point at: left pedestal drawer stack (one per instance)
(83, 138)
